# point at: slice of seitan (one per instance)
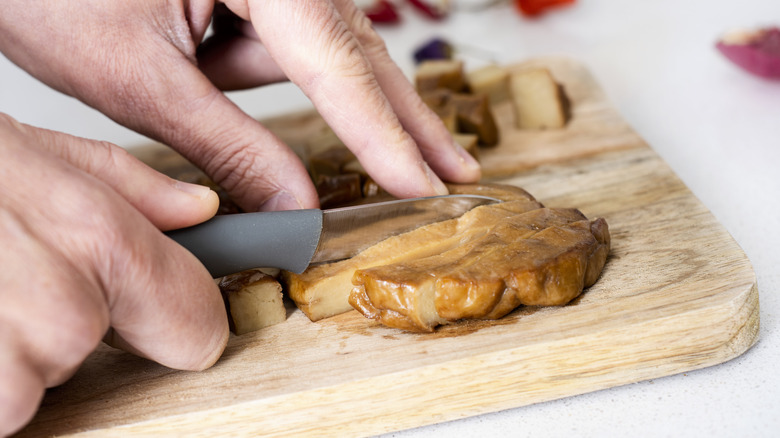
(323, 290)
(482, 265)
(542, 257)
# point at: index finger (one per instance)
(325, 59)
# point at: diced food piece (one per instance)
(437, 97)
(329, 161)
(323, 290)
(339, 189)
(490, 80)
(475, 117)
(448, 115)
(371, 189)
(253, 300)
(472, 113)
(440, 74)
(537, 99)
(758, 52)
(439, 101)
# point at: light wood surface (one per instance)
(677, 294)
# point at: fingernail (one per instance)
(436, 183)
(466, 159)
(197, 190)
(281, 201)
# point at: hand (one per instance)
(138, 62)
(82, 252)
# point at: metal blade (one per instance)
(347, 231)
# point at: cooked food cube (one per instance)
(490, 80)
(440, 73)
(253, 300)
(538, 100)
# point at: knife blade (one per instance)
(293, 239)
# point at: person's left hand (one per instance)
(142, 63)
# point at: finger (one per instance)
(234, 58)
(105, 262)
(21, 388)
(169, 99)
(326, 61)
(52, 311)
(161, 301)
(169, 309)
(167, 203)
(447, 158)
(180, 107)
(49, 321)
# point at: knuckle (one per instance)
(366, 34)
(103, 159)
(9, 121)
(236, 169)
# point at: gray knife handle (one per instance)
(236, 242)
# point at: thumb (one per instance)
(166, 202)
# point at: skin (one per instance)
(80, 220)
(89, 256)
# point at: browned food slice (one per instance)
(253, 300)
(542, 257)
(323, 290)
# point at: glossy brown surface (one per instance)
(542, 257)
(323, 290)
(253, 300)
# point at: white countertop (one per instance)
(716, 126)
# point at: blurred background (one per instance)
(715, 124)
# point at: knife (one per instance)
(294, 239)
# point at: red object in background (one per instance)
(382, 11)
(536, 7)
(755, 51)
(434, 9)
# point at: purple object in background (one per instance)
(755, 51)
(436, 48)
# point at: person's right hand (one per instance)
(83, 259)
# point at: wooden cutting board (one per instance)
(677, 294)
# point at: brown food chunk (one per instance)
(492, 81)
(543, 257)
(538, 101)
(476, 117)
(440, 73)
(339, 189)
(472, 113)
(323, 290)
(253, 300)
(329, 161)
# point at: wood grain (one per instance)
(677, 294)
